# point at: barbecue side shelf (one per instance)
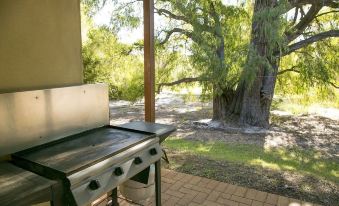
(20, 187)
(160, 130)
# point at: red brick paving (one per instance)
(180, 189)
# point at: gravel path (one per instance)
(193, 122)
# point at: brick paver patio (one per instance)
(183, 189)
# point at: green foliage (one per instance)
(303, 161)
(211, 35)
(272, 27)
(125, 13)
(119, 65)
(170, 64)
(309, 102)
(313, 71)
(268, 27)
(133, 88)
(108, 61)
(210, 25)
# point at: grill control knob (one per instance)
(137, 161)
(94, 185)
(153, 151)
(118, 171)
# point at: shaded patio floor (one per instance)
(183, 189)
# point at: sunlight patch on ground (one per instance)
(202, 148)
(169, 98)
(185, 110)
(120, 103)
(331, 113)
(183, 134)
(272, 140)
(294, 204)
(287, 167)
(335, 173)
(260, 162)
(206, 121)
(281, 113)
(209, 123)
(277, 159)
(195, 91)
(165, 120)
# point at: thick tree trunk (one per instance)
(220, 99)
(257, 98)
(258, 92)
(221, 104)
(251, 102)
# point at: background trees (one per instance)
(236, 52)
(275, 33)
(108, 61)
(213, 30)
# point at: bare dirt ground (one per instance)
(305, 131)
(193, 123)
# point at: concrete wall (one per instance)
(40, 44)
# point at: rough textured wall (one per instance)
(40, 44)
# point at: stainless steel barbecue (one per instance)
(92, 163)
(68, 138)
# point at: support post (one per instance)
(158, 183)
(114, 197)
(149, 62)
(149, 82)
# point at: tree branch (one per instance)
(328, 3)
(296, 12)
(176, 30)
(181, 81)
(293, 69)
(334, 85)
(169, 14)
(188, 20)
(329, 12)
(299, 28)
(312, 14)
(315, 38)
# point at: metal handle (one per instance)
(153, 151)
(94, 185)
(118, 171)
(137, 161)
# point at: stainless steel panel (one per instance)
(130, 153)
(108, 181)
(33, 118)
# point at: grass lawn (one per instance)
(303, 161)
(310, 176)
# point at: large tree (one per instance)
(270, 41)
(279, 28)
(219, 37)
(236, 50)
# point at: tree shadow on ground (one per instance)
(294, 159)
(286, 183)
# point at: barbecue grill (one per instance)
(19, 187)
(79, 149)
